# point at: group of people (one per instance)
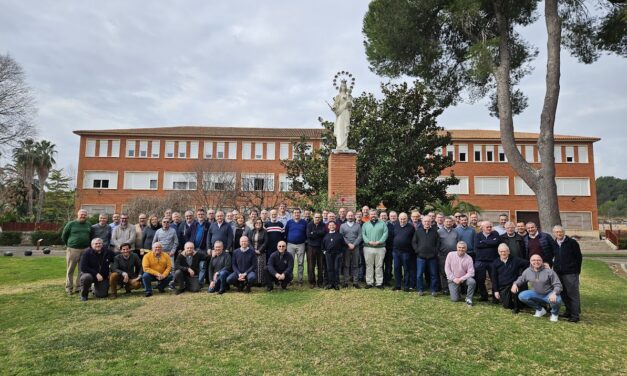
(427, 253)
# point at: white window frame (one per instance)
(143, 149)
(503, 182)
(155, 148)
(91, 176)
(530, 155)
(208, 150)
(131, 176)
(479, 149)
(258, 151)
(562, 185)
(221, 150)
(569, 153)
(170, 178)
(461, 188)
(227, 179)
(249, 182)
(462, 150)
(115, 148)
(246, 150)
(582, 154)
(193, 149)
(557, 153)
(270, 151)
(521, 188)
(131, 148)
(284, 150)
(450, 151)
(501, 153)
(181, 150)
(285, 184)
(90, 148)
(103, 148)
(490, 149)
(170, 149)
(232, 150)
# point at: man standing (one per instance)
(539, 243)
(474, 222)
(315, 258)
(95, 270)
(351, 232)
(460, 271)
(75, 236)
(486, 243)
(296, 236)
(197, 234)
(389, 243)
(500, 228)
(402, 250)
(123, 233)
(101, 230)
(275, 229)
(168, 238)
(567, 265)
(505, 271)
(448, 243)
(139, 230)
(222, 231)
(280, 268)
(244, 264)
(426, 243)
(521, 229)
(283, 215)
(186, 268)
(115, 221)
(126, 271)
(439, 221)
(157, 267)
(333, 246)
(374, 234)
(546, 288)
(514, 241)
(466, 234)
(219, 269)
(341, 213)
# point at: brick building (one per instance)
(233, 162)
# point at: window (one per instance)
(181, 181)
(573, 186)
(258, 182)
(208, 150)
(258, 150)
(270, 151)
(220, 150)
(130, 148)
(169, 149)
(90, 148)
(140, 180)
(491, 185)
(100, 180)
(103, 148)
(115, 148)
(182, 151)
(232, 150)
(284, 152)
(97, 209)
(219, 181)
(463, 153)
(502, 157)
(143, 149)
(557, 151)
(246, 150)
(450, 151)
(583, 154)
(489, 153)
(309, 149)
(459, 189)
(521, 188)
(285, 184)
(570, 154)
(193, 149)
(438, 150)
(155, 148)
(529, 154)
(477, 151)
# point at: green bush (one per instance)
(10, 238)
(622, 244)
(49, 237)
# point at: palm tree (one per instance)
(25, 157)
(454, 205)
(44, 161)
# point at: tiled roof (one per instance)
(208, 131)
(483, 134)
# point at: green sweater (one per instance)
(76, 234)
(378, 233)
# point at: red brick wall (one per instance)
(342, 187)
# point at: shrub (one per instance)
(49, 237)
(10, 238)
(622, 243)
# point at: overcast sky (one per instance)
(123, 64)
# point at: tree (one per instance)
(59, 204)
(609, 188)
(44, 160)
(453, 205)
(178, 201)
(472, 47)
(16, 104)
(217, 189)
(25, 158)
(397, 141)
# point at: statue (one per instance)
(342, 106)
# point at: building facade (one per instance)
(234, 166)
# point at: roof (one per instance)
(484, 134)
(208, 131)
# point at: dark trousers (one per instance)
(402, 261)
(147, 279)
(387, 266)
(412, 270)
(271, 280)
(362, 262)
(351, 265)
(432, 264)
(441, 261)
(334, 263)
(570, 294)
(232, 279)
(481, 269)
(184, 281)
(508, 298)
(101, 289)
(220, 281)
(315, 260)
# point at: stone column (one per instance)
(342, 185)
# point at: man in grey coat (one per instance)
(351, 232)
(546, 288)
(448, 243)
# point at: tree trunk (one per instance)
(42, 176)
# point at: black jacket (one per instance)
(333, 242)
(426, 243)
(504, 274)
(181, 263)
(262, 241)
(223, 233)
(280, 263)
(486, 246)
(94, 263)
(315, 233)
(516, 245)
(219, 263)
(403, 237)
(568, 257)
(131, 266)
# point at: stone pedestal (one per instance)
(342, 184)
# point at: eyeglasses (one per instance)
(280, 246)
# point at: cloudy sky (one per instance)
(122, 64)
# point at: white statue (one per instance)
(342, 106)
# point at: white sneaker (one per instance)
(540, 313)
(554, 318)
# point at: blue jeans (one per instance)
(433, 273)
(148, 278)
(232, 279)
(535, 300)
(220, 281)
(401, 260)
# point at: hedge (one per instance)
(10, 238)
(49, 237)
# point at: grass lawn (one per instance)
(301, 331)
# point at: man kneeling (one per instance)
(460, 271)
(157, 267)
(95, 270)
(219, 268)
(546, 288)
(244, 264)
(186, 268)
(125, 271)
(280, 268)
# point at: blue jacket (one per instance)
(244, 262)
(223, 233)
(280, 263)
(486, 246)
(296, 232)
(191, 234)
(467, 235)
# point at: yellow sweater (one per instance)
(155, 266)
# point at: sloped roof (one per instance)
(484, 134)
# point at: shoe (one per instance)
(178, 292)
(284, 286)
(434, 294)
(127, 292)
(171, 285)
(161, 290)
(574, 320)
(554, 318)
(240, 288)
(83, 298)
(483, 299)
(336, 287)
(247, 288)
(369, 287)
(469, 302)
(221, 292)
(148, 294)
(380, 287)
(540, 313)
(421, 293)
(565, 315)
(357, 286)
(396, 288)
(515, 311)
(269, 288)
(329, 287)
(114, 296)
(446, 292)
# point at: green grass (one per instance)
(301, 331)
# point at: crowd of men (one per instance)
(428, 253)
